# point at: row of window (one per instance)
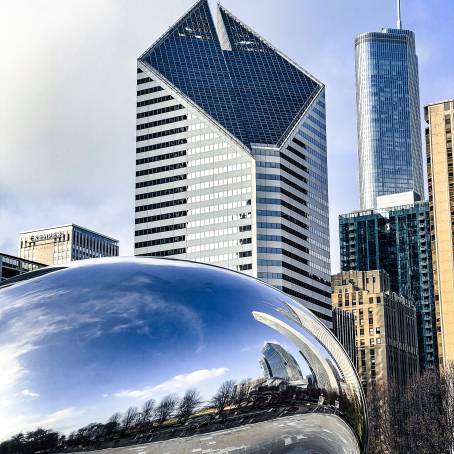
(161, 110)
(213, 158)
(166, 204)
(314, 301)
(164, 121)
(167, 168)
(145, 184)
(147, 102)
(219, 182)
(167, 132)
(219, 170)
(161, 157)
(161, 217)
(268, 176)
(221, 220)
(219, 245)
(219, 207)
(266, 201)
(164, 253)
(276, 225)
(280, 214)
(158, 146)
(295, 152)
(215, 233)
(162, 192)
(314, 277)
(145, 80)
(283, 191)
(291, 255)
(159, 241)
(283, 239)
(219, 195)
(224, 257)
(160, 229)
(147, 91)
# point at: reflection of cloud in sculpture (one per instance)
(175, 384)
(324, 375)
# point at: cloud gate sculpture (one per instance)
(173, 356)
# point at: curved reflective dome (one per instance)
(177, 356)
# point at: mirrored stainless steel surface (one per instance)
(225, 363)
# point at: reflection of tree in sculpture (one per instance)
(224, 395)
(190, 401)
(165, 409)
(232, 403)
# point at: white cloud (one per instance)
(31, 394)
(61, 420)
(10, 366)
(175, 384)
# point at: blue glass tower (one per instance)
(389, 136)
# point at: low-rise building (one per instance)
(11, 266)
(385, 323)
(62, 244)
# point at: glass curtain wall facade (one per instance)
(389, 136)
(231, 157)
(396, 240)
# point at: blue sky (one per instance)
(67, 96)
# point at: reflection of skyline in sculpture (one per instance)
(143, 328)
(279, 363)
(309, 349)
(341, 364)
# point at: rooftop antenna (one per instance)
(399, 22)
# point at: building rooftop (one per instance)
(248, 87)
(69, 225)
(15, 257)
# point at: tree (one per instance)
(190, 401)
(112, 424)
(130, 418)
(447, 383)
(224, 395)
(241, 393)
(380, 433)
(147, 412)
(166, 408)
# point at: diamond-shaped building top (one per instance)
(240, 81)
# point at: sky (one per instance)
(68, 94)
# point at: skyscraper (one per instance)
(389, 136)
(231, 156)
(396, 239)
(440, 118)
